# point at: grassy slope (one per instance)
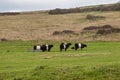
(100, 60)
(40, 25)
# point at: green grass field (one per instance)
(99, 61)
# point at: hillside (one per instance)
(43, 26)
(106, 7)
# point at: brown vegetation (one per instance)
(3, 39)
(9, 13)
(103, 30)
(42, 26)
(104, 27)
(109, 31)
(93, 17)
(112, 7)
(64, 32)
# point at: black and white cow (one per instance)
(64, 46)
(43, 48)
(79, 45)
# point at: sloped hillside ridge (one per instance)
(110, 7)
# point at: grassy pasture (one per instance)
(99, 61)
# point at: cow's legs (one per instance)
(65, 49)
(60, 49)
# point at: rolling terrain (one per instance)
(19, 32)
(40, 25)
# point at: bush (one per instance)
(3, 39)
(56, 33)
(92, 17)
(63, 32)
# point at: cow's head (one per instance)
(51, 46)
(84, 45)
(69, 44)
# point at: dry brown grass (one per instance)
(40, 26)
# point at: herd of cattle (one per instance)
(63, 46)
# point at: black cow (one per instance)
(43, 48)
(64, 46)
(79, 45)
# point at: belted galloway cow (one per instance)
(64, 46)
(43, 48)
(79, 45)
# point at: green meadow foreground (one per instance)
(99, 61)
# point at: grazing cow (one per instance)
(79, 45)
(43, 48)
(64, 46)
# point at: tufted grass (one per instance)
(40, 25)
(99, 61)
